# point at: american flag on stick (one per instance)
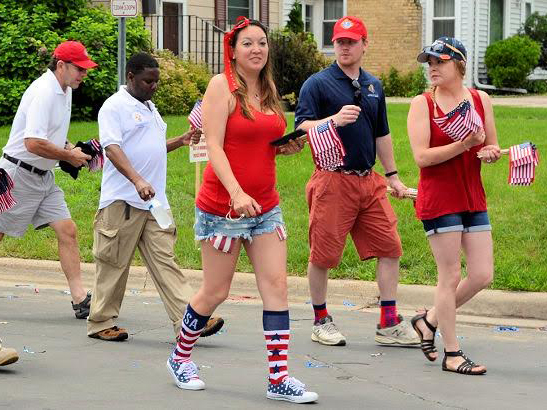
(195, 116)
(6, 185)
(460, 122)
(327, 149)
(523, 160)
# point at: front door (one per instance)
(171, 27)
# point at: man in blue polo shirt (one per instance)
(352, 199)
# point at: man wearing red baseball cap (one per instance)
(352, 198)
(37, 141)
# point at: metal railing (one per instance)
(189, 37)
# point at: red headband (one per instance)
(241, 22)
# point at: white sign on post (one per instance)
(124, 8)
(198, 152)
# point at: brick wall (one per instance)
(394, 31)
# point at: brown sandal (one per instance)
(113, 334)
(427, 345)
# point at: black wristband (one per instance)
(388, 174)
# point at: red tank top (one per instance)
(252, 159)
(454, 185)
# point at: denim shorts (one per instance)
(208, 225)
(460, 222)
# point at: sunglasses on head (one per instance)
(438, 47)
(357, 93)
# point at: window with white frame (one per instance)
(308, 18)
(497, 17)
(332, 11)
(238, 8)
(444, 18)
(527, 9)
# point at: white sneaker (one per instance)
(402, 334)
(325, 332)
(290, 389)
(185, 374)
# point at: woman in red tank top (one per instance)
(238, 205)
(451, 201)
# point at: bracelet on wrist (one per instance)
(388, 174)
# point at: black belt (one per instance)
(358, 172)
(26, 166)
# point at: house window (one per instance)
(444, 18)
(527, 9)
(308, 18)
(238, 8)
(496, 20)
(332, 11)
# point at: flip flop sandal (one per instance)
(466, 367)
(427, 345)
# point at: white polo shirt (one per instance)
(44, 113)
(139, 131)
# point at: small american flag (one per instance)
(6, 185)
(460, 122)
(327, 148)
(523, 160)
(97, 158)
(195, 116)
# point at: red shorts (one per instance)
(347, 203)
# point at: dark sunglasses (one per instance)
(357, 93)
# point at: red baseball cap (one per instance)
(349, 27)
(74, 52)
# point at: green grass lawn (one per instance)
(518, 214)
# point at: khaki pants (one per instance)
(118, 230)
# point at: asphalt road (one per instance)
(61, 368)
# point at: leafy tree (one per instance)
(295, 23)
(535, 27)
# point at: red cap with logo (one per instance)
(349, 27)
(74, 52)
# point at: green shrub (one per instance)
(535, 27)
(410, 84)
(295, 57)
(26, 38)
(30, 33)
(181, 84)
(510, 61)
(536, 86)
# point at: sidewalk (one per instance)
(524, 309)
(538, 101)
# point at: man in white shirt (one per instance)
(132, 133)
(37, 141)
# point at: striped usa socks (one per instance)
(277, 334)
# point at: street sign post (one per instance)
(122, 9)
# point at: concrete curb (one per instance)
(489, 303)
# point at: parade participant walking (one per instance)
(451, 200)
(132, 133)
(352, 198)
(238, 205)
(37, 141)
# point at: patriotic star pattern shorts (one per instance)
(223, 232)
(461, 222)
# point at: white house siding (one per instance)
(540, 6)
